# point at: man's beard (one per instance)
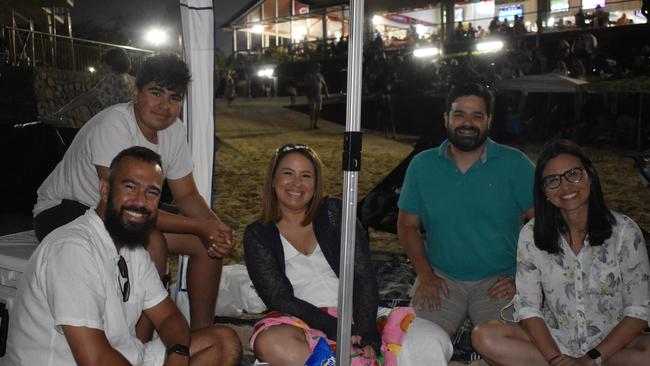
(129, 234)
(466, 143)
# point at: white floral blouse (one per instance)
(583, 297)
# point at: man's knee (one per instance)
(226, 343)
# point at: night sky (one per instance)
(139, 15)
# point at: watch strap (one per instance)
(595, 355)
(179, 349)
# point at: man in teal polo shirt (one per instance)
(460, 210)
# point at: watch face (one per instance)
(593, 354)
(180, 349)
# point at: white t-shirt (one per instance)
(312, 278)
(97, 143)
(72, 279)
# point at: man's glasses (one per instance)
(124, 273)
(573, 175)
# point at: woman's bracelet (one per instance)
(550, 361)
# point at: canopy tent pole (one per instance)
(197, 20)
(351, 167)
(639, 123)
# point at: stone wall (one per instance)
(54, 88)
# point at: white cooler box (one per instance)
(15, 250)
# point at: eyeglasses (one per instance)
(124, 273)
(291, 147)
(573, 175)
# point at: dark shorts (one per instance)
(67, 211)
(57, 216)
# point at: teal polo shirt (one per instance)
(471, 219)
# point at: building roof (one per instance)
(323, 3)
(30, 9)
(245, 9)
(371, 7)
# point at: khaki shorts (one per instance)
(466, 299)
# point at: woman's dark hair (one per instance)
(270, 210)
(117, 59)
(549, 222)
(166, 70)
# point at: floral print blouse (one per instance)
(583, 297)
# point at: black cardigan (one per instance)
(265, 263)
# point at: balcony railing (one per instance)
(24, 47)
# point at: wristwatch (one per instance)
(180, 349)
(595, 355)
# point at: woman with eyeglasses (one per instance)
(292, 254)
(582, 276)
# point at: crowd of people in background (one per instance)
(393, 73)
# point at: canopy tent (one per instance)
(638, 85)
(543, 83)
(197, 20)
(198, 45)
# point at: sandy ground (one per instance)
(250, 130)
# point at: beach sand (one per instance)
(251, 129)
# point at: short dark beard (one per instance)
(130, 235)
(464, 143)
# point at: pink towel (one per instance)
(392, 327)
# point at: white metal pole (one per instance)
(351, 167)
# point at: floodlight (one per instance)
(426, 52)
(156, 36)
(265, 72)
(490, 46)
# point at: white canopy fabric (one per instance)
(198, 42)
(197, 20)
(543, 83)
